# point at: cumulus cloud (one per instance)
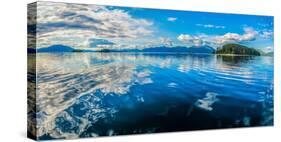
(249, 35)
(218, 40)
(75, 24)
(210, 26)
(172, 19)
(191, 40)
(166, 41)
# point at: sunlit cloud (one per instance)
(172, 19)
(215, 41)
(166, 41)
(210, 26)
(249, 35)
(75, 24)
(190, 39)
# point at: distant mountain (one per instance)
(201, 49)
(56, 48)
(176, 49)
(237, 49)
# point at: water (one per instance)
(103, 94)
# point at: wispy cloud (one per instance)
(86, 26)
(172, 19)
(190, 40)
(75, 24)
(267, 34)
(210, 26)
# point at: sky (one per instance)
(106, 27)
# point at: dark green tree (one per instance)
(237, 49)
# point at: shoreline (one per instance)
(167, 53)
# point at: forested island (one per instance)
(237, 49)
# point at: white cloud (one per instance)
(172, 19)
(166, 41)
(218, 40)
(75, 24)
(191, 40)
(249, 35)
(184, 37)
(210, 26)
(267, 34)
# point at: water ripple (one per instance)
(73, 90)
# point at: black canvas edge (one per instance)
(31, 71)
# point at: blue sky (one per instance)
(95, 27)
(171, 23)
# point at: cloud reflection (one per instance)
(61, 82)
(72, 86)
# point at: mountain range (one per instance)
(176, 49)
(226, 49)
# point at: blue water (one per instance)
(104, 94)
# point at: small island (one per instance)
(237, 49)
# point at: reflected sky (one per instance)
(102, 94)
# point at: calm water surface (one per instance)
(103, 94)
